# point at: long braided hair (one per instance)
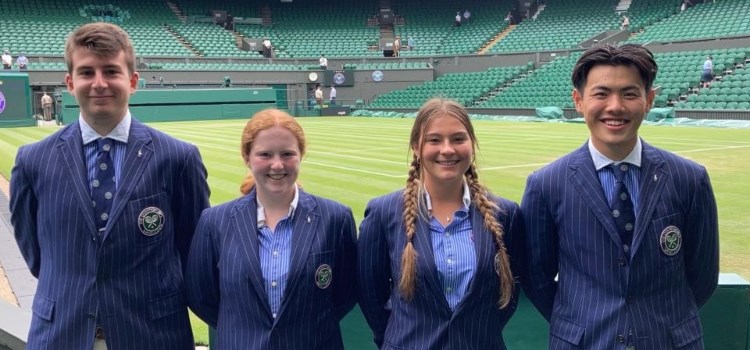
(414, 208)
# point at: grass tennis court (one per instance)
(355, 159)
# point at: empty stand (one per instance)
(463, 87)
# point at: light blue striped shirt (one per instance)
(453, 249)
(120, 133)
(276, 253)
(607, 177)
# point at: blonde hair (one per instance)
(480, 197)
(101, 39)
(263, 120)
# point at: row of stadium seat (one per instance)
(308, 30)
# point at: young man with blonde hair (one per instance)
(104, 212)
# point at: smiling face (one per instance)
(614, 102)
(274, 160)
(102, 86)
(446, 151)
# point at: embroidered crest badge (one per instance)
(151, 221)
(323, 276)
(670, 240)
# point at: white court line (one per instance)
(481, 169)
(358, 157)
(514, 166)
(356, 170)
(369, 149)
(324, 165)
(711, 149)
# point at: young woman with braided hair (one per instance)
(438, 260)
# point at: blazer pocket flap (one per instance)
(166, 305)
(687, 332)
(567, 330)
(43, 307)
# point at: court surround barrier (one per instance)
(157, 105)
(725, 319)
(15, 100)
(660, 116)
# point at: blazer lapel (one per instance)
(70, 146)
(307, 223)
(244, 220)
(426, 262)
(137, 155)
(653, 178)
(586, 182)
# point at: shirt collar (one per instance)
(466, 200)
(119, 133)
(601, 161)
(261, 213)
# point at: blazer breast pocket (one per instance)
(320, 274)
(152, 217)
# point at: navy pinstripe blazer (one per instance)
(225, 282)
(134, 279)
(427, 322)
(600, 293)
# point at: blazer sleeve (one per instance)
(202, 273)
(23, 210)
(373, 270)
(701, 241)
(514, 243)
(541, 248)
(189, 200)
(345, 288)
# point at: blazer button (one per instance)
(620, 338)
(91, 315)
(622, 261)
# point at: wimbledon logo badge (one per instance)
(339, 78)
(2, 102)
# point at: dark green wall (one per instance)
(155, 105)
(725, 319)
(15, 100)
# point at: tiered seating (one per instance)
(436, 34)
(212, 40)
(259, 31)
(147, 29)
(431, 25)
(463, 87)
(644, 13)
(731, 92)
(678, 73)
(55, 66)
(704, 20)
(34, 36)
(562, 25)
(387, 65)
(549, 85)
(154, 40)
(38, 27)
(24, 27)
(468, 39)
(238, 8)
(334, 29)
(224, 66)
